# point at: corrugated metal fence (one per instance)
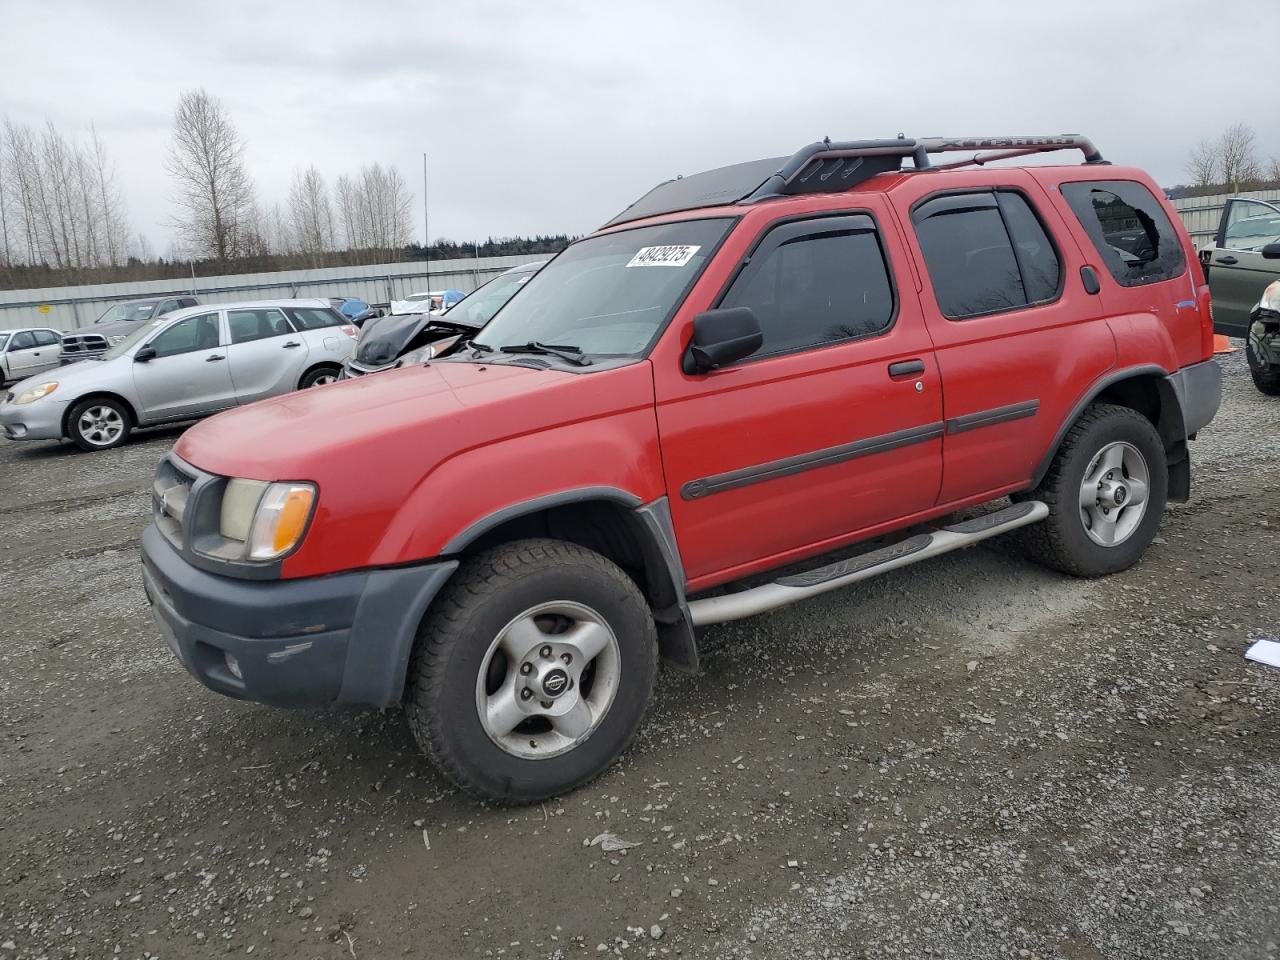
(65, 308)
(1200, 215)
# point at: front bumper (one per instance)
(41, 420)
(344, 638)
(1199, 390)
(352, 369)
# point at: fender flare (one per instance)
(654, 534)
(1172, 425)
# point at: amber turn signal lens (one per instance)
(281, 520)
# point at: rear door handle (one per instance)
(1227, 261)
(216, 356)
(906, 368)
(291, 344)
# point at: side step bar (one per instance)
(801, 586)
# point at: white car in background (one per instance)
(431, 301)
(188, 364)
(27, 351)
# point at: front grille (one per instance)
(84, 343)
(170, 495)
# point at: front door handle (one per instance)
(906, 368)
(291, 344)
(1227, 261)
(215, 357)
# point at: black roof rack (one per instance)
(827, 167)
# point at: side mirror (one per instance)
(720, 337)
(144, 354)
(1271, 251)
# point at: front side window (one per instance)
(314, 318)
(1129, 229)
(46, 338)
(986, 252)
(815, 282)
(23, 341)
(1251, 225)
(188, 334)
(609, 294)
(256, 324)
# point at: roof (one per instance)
(249, 305)
(827, 167)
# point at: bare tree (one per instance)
(1237, 157)
(111, 207)
(311, 215)
(1203, 164)
(215, 193)
(1273, 170)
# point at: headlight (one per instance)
(1270, 299)
(421, 355)
(119, 338)
(268, 518)
(35, 393)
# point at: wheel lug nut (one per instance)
(546, 704)
(566, 658)
(526, 693)
(526, 668)
(545, 653)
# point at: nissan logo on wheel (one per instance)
(555, 683)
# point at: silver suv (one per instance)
(186, 365)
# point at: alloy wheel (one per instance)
(101, 425)
(1113, 496)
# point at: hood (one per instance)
(385, 338)
(76, 379)
(115, 328)
(415, 411)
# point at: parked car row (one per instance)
(180, 366)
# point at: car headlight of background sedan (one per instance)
(35, 393)
(265, 520)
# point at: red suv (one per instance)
(746, 369)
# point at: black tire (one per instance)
(1266, 380)
(320, 374)
(486, 594)
(84, 436)
(1061, 541)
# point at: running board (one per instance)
(801, 586)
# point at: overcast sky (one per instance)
(550, 117)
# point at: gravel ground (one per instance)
(969, 758)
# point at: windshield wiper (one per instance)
(477, 346)
(569, 354)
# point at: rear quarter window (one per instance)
(1129, 229)
(313, 318)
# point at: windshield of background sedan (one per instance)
(608, 294)
(478, 308)
(129, 311)
(4, 338)
(125, 345)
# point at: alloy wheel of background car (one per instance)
(318, 378)
(548, 679)
(1266, 376)
(98, 424)
(1113, 496)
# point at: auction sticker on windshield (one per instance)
(672, 255)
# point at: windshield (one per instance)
(609, 294)
(479, 308)
(4, 338)
(140, 310)
(125, 345)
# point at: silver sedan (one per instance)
(186, 365)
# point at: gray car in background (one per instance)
(180, 367)
(116, 323)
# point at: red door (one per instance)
(1018, 338)
(833, 427)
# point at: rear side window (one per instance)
(46, 338)
(256, 324)
(986, 253)
(815, 282)
(1129, 229)
(313, 318)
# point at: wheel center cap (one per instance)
(1120, 496)
(554, 683)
